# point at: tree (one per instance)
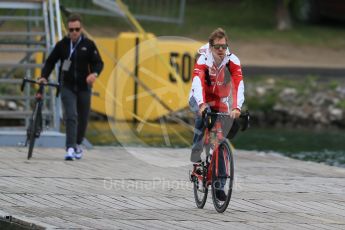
(283, 14)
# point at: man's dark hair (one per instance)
(74, 17)
(218, 33)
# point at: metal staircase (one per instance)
(28, 30)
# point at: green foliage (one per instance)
(244, 20)
(305, 87)
(247, 20)
(341, 104)
(7, 89)
(11, 89)
(264, 103)
(333, 84)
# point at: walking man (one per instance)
(81, 63)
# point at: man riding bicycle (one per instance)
(217, 78)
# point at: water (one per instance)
(327, 146)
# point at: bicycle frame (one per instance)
(38, 107)
(218, 169)
(213, 137)
(36, 124)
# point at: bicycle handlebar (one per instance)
(56, 85)
(244, 118)
(216, 114)
(242, 115)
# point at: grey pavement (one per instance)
(149, 188)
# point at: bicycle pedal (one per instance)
(198, 171)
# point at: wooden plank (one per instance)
(273, 192)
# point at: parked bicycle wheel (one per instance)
(36, 123)
(222, 177)
(33, 129)
(200, 191)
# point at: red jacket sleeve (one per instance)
(237, 83)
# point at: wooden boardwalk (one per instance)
(114, 189)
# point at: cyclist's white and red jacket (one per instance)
(220, 87)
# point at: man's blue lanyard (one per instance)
(73, 48)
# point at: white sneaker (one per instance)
(70, 154)
(78, 154)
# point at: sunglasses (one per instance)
(218, 46)
(74, 29)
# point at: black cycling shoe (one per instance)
(198, 167)
(220, 194)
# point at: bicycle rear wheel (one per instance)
(200, 190)
(222, 177)
(33, 129)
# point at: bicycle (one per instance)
(218, 169)
(35, 123)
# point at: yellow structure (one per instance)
(140, 83)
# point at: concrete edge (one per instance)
(19, 223)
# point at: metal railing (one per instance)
(35, 31)
(169, 11)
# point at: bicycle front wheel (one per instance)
(222, 176)
(33, 129)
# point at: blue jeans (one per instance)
(199, 129)
(198, 139)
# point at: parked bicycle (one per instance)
(36, 123)
(218, 169)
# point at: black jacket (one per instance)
(84, 60)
